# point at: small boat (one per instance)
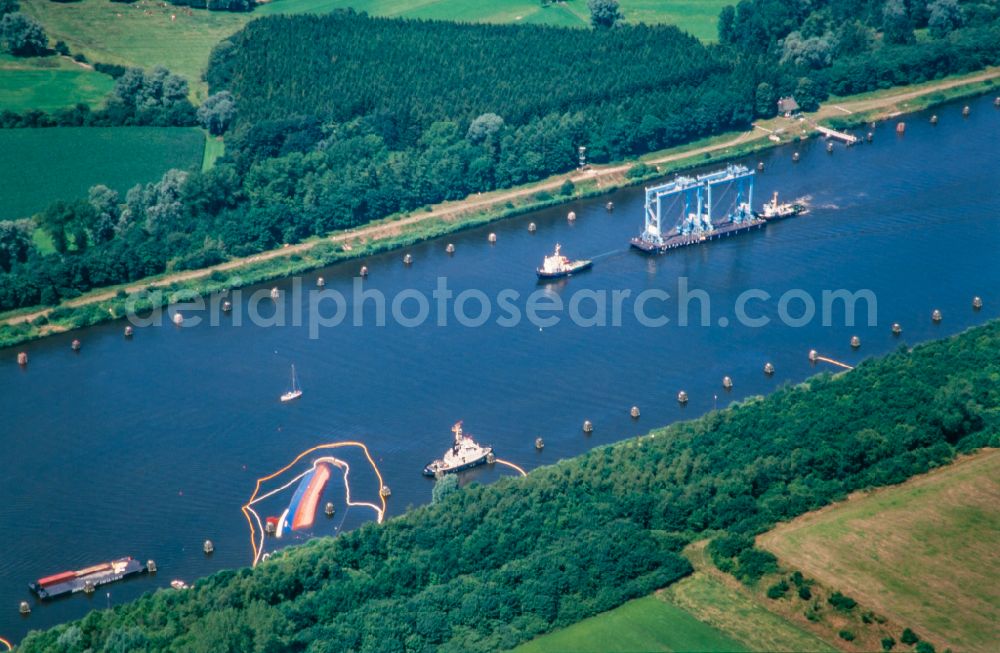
(178, 584)
(774, 211)
(295, 392)
(557, 266)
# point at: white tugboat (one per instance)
(464, 454)
(557, 265)
(774, 211)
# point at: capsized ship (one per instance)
(86, 580)
(301, 511)
(464, 454)
(557, 265)
(708, 207)
(775, 211)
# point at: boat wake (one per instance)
(620, 250)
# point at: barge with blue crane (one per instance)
(696, 202)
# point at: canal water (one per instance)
(149, 446)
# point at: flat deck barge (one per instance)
(725, 194)
(86, 580)
(683, 240)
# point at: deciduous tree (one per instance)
(727, 24)
(444, 487)
(15, 242)
(808, 94)
(604, 13)
(8, 7)
(483, 127)
(808, 52)
(897, 26)
(217, 112)
(22, 35)
(944, 16)
(765, 101)
(107, 212)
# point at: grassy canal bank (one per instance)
(406, 229)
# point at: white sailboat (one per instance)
(295, 392)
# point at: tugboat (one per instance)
(557, 266)
(464, 454)
(774, 211)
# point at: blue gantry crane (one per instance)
(711, 205)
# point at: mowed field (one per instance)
(49, 84)
(43, 165)
(646, 624)
(926, 553)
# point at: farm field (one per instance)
(918, 552)
(739, 616)
(43, 165)
(699, 17)
(696, 16)
(698, 613)
(138, 34)
(146, 33)
(567, 14)
(49, 84)
(646, 624)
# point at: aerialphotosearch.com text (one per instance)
(544, 307)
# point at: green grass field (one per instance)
(739, 616)
(699, 17)
(49, 84)
(214, 148)
(926, 552)
(43, 165)
(646, 624)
